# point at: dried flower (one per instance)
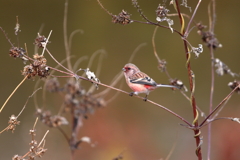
(38, 67)
(41, 41)
(162, 65)
(122, 18)
(49, 120)
(197, 50)
(16, 52)
(161, 13)
(223, 68)
(178, 83)
(52, 85)
(208, 37)
(233, 85)
(91, 76)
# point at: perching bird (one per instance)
(140, 82)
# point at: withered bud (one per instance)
(16, 52)
(178, 83)
(208, 37)
(200, 26)
(161, 13)
(40, 58)
(29, 71)
(40, 41)
(162, 65)
(122, 18)
(233, 85)
(52, 85)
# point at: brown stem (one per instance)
(219, 105)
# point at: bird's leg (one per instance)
(145, 99)
(131, 94)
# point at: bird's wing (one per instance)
(142, 78)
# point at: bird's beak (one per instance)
(123, 69)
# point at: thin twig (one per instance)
(13, 93)
(219, 105)
(66, 44)
(193, 15)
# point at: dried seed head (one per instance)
(32, 132)
(16, 52)
(43, 71)
(162, 65)
(17, 157)
(161, 13)
(233, 85)
(40, 41)
(40, 59)
(208, 37)
(33, 144)
(52, 85)
(51, 120)
(29, 71)
(122, 18)
(13, 122)
(200, 26)
(223, 68)
(178, 83)
(40, 151)
(197, 50)
(38, 67)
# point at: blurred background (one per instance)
(127, 125)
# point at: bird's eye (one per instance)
(129, 68)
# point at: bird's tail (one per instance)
(166, 85)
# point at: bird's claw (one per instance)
(131, 94)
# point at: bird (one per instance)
(140, 82)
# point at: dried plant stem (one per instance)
(211, 29)
(5, 34)
(191, 77)
(66, 44)
(13, 93)
(211, 101)
(43, 138)
(219, 105)
(191, 19)
(154, 45)
(57, 61)
(101, 5)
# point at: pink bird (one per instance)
(140, 82)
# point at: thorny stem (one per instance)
(219, 105)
